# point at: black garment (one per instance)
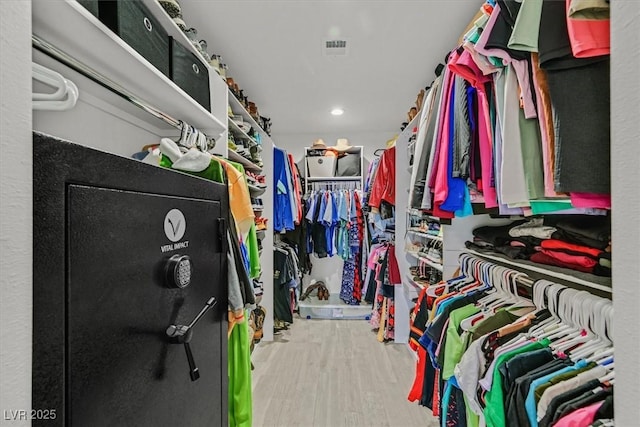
(497, 236)
(513, 252)
(606, 410)
(371, 289)
(318, 234)
(428, 385)
(501, 33)
(565, 397)
(583, 143)
(510, 9)
(419, 322)
(296, 238)
(554, 44)
(581, 401)
(387, 289)
(386, 210)
(515, 407)
(596, 231)
(521, 364)
(456, 410)
(283, 273)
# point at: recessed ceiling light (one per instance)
(337, 111)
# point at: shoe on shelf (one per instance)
(229, 111)
(172, 7)
(261, 223)
(420, 99)
(180, 23)
(255, 205)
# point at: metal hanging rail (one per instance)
(68, 60)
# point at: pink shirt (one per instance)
(469, 70)
(591, 200)
(589, 37)
(580, 417)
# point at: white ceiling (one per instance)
(274, 50)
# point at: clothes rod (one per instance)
(54, 52)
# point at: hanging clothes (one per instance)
(503, 125)
(482, 360)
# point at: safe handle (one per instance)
(181, 334)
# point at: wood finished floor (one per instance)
(334, 373)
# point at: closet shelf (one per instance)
(238, 109)
(248, 164)
(601, 286)
(238, 132)
(256, 191)
(333, 178)
(106, 53)
(408, 130)
(426, 260)
(413, 283)
(418, 232)
(418, 212)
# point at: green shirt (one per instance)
(494, 399)
(525, 30)
(454, 345)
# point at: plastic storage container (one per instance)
(321, 166)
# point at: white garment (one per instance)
(426, 197)
(419, 144)
(534, 228)
(513, 185)
(468, 372)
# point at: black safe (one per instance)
(127, 255)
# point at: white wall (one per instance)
(15, 208)
(296, 143)
(625, 156)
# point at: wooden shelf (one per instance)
(248, 164)
(426, 260)
(102, 50)
(426, 235)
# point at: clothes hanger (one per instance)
(601, 346)
(547, 294)
(571, 316)
(584, 334)
(64, 98)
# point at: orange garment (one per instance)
(545, 120)
(239, 198)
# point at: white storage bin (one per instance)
(321, 166)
